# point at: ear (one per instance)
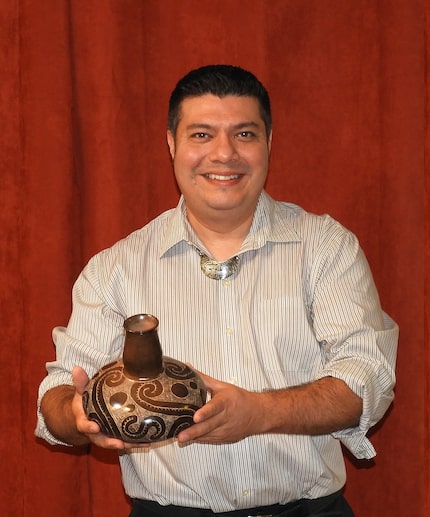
(171, 143)
(269, 141)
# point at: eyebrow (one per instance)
(236, 127)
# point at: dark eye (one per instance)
(245, 134)
(199, 135)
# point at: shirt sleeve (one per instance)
(358, 340)
(93, 337)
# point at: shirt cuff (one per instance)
(369, 383)
(356, 442)
(51, 381)
(42, 431)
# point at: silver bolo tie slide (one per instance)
(214, 269)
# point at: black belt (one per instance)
(301, 508)
(294, 509)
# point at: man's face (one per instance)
(220, 155)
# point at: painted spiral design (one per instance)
(144, 411)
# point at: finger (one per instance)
(205, 424)
(211, 409)
(191, 434)
(88, 427)
(211, 384)
(107, 442)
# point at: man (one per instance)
(285, 325)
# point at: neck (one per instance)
(222, 239)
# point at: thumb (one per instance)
(80, 379)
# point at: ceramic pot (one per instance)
(144, 397)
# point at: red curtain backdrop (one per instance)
(83, 98)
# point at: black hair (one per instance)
(219, 80)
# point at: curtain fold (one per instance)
(84, 161)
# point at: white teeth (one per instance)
(222, 178)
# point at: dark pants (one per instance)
(333, 505)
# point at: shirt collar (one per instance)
(270, 224)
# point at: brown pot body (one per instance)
(144, 397)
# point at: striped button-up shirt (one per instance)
(301, 306)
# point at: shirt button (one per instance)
(233, 380)
(245, 492)
(227, 283)
(229, 331)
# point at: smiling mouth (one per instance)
(222, 178)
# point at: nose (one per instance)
(223, 149)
